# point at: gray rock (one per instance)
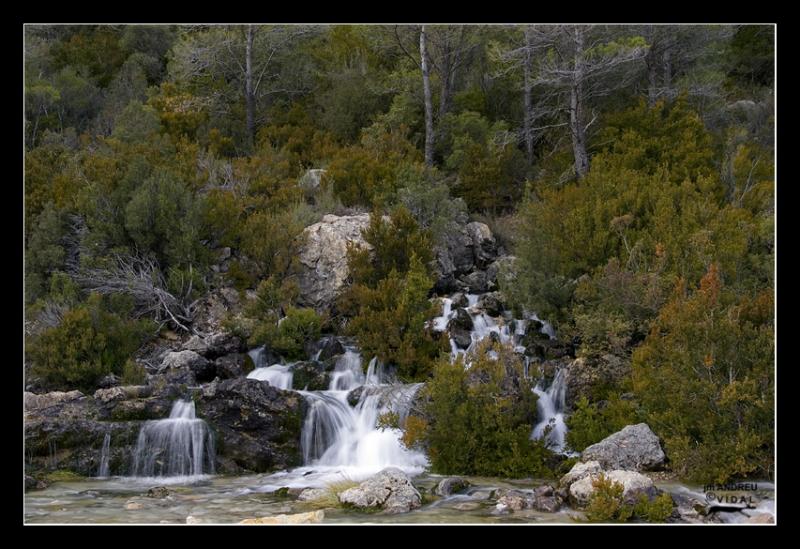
(196, 344)
(634, 484)
(483, 243)
(474, 282)
(323, 257)
(230, 366)
(309, 375)
(202, 369)
(109, 381)
(159, 492)
(501, 272)
(312, 494)
(587, 374)
(461, 336)
(546, 499)
(390, 491)
(459, 300)
(257, 427)
(492, 303)
(39, 402)
(634, 448)
(578, 471)
(451, 485)
(310, 180)
(326, 346)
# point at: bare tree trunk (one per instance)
(426, 84)
(528, 87)
(576, 117)
(249, 93)
(667, 67)
(652, 82)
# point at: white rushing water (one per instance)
(550, 407)
(180, 446)
(102, 471)
(279, 376)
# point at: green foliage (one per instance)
(714, 349)
(592, 422)
(393, 242)
(137, 122)
(477, 426)
(163, 216)
(298, 328)
(390, 321)
(89, 343)
(45, 252)
(608, 505)
(752, 55)
(133, 373)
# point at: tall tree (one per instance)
(426, 85)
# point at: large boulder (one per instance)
(309, 375)
(190, 361)
(324, 348)
(492, 303)
(633, 485)
(579, 471)
(323, 257)
(390, 491)
(257, 426)
(484, 245)
(634, 448)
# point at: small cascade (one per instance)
(258, 356)
(102, 471)
(550, 407)
(279, 376)
(440, 322)
(181, 445)
(347, 373)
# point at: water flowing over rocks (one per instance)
(390, 491)
(634, 448)
(450, 486)
(323, 257)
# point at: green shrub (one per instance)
(89, 343)
(390, 321)
(300, 327)
(715, 350)
(590, 423)
(133, 373)
(606, 503)
(657, 510)
(477, 423)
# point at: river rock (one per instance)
(312, 494)
(326, 346)
(492, 303)
(257, 426)
(390, 491)
(230, 366)
(474, 282)
(312, 517)
(634, 484)
(634, 448)
(451, 485)
(578, 471)
(546, 499)
(323, 257)
(459, 300)
(159, 492)
(183, 361)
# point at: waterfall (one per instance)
(440, 322)
(550, 407)
(181, 445)
(258, 356)
(102, 471)
(278, 375)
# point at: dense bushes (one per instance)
(592, 422)
(90, 342)
(714, 349)
(388, 301)
(477, 424)
(607, 504)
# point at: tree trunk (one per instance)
(250, 99)
(426, 84)
(667, 66)
(576, 118)
(528, 87)
(652, 67)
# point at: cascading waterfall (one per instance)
(550, 407)
(279, 376)
(338, 438)
(180, 446)
(102, 471)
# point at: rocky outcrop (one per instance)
(256, 426)
(579, 471)
(543, 498)
(323, 257)
(390, 491)
(309, 375)
(324, 348)
(634, 484)
(634, 448)
(451, 485)
(469, 247)
(492, 303)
